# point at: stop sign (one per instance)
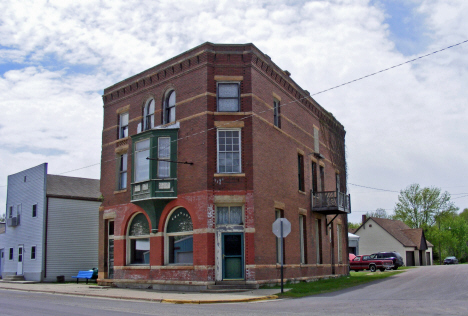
(277, 227)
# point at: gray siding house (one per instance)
(51, 225)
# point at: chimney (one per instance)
(364, 218)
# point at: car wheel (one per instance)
(382, 269)
(394, 268)
(372, 268)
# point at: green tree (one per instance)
(421, 207)
(379, 213)
(2, 217)
(464, 214)
(353, 225)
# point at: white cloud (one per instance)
(403, 126)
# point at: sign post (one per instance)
(281, 229)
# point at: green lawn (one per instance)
(331, 285)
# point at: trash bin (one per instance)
(60, 278)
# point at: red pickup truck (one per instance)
(365, 262)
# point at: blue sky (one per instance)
(404, 126)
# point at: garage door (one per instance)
(410, 258)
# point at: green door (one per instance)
(233, 256)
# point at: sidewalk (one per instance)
(93, 290)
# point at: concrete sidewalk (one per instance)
(93, 290)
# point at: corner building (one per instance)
(200, 155)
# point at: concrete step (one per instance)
(226, 287)
(13, 278)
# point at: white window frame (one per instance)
(129, 243)
(34, 210)
(123, 128)
(229, 206)
(123, 158)
(164, 159)
(168, 109)
(136, 160)
(148, 116)
(238, 95)
(240, 149)
(11, 254)
(35, 252)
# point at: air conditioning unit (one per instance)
(13, 221)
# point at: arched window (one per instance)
(169, 107)
(179, 238)
(138, 243)
(149, 115)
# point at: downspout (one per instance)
(46, 215)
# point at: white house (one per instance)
(378, 234)
(51, 225)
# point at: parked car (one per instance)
(450, 260)
(391, 255)
(365, 262)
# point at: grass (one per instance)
(331, 285)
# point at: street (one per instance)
(431, 290)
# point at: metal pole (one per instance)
(282, 256)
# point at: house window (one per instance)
(229, 149)
(229, 215)
(314, 177)
(228, 97)
(10, 255)
(123, 125)
(34, 210)
(123, 172)
(322, 179)
(318, 240)
(149, 115)
(338, 238)
(276, 113)
(33, 253)
(303, 240)
(164, 155)
(337, 181)
(142, 151)
(179, 238)
(279, 214)
(10, 212)
(300, 171)
(138, 240)
(169, 107)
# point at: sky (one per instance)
(405, 125)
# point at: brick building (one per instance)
(200, 155)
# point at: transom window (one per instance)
(228, 97)
(229, 149)
(123, 125)
(164, 155)
(229, 215)
(179, 238)
(138, 240)
(142, 151)
(169, 107)
(149, 115)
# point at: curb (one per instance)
(157, 300)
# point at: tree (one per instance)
(2, 217)
(464, 214)
(379, 213)
(422, 207)
(353, 225)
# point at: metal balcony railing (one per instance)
(330, 202)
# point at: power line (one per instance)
(362, 186)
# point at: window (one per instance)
(303, 240)
(164, 155)
(142, 151)
(169, 107)
(276, 113)
(10, 212)
(228, 97)
(338, 238)
(316, 140)
(229, 215)
(322, 179)
(149, 115)
(10, 255)
(229, 159)
(34, 210)
(337, 181)
(138, 240)
(123, 172)
(179, 238)
(123, 125)
(110, 250)
(33, 253)
(279, 214)
(300, 171)
(318, 240)
(314, 177)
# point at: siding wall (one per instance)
(72, 237)
(30, 230)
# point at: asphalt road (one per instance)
(434, 290)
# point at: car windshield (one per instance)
(450, 258)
